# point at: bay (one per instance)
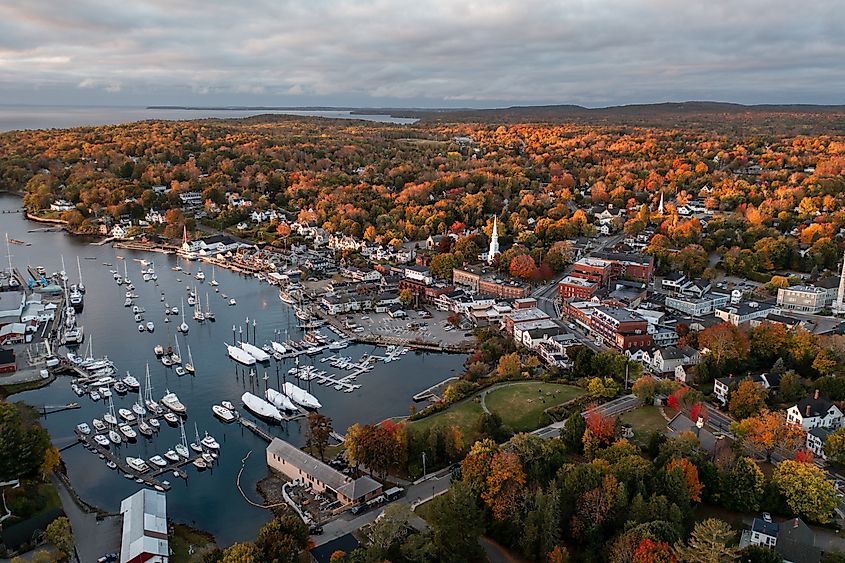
(16, 117)
(210, 499)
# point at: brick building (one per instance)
(620, 328)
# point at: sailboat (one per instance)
(189, 367)
(176, 357)
(213, 281)
(184, 326)
(109, 417)
(182, 447)
(196, 445)
(199, 316)
(13, 281)
(80, 286)
(209, 316)
(138, 407)
(151, 405)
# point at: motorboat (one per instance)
(105, 392)
(232, 302)
(126, 415)
(141, 328)
(300, 396)
(158, 350)
(260, 407)
(114, 436)
(208, 458)
(95, 395)
(111, 465)
(127, 302)
(166, 361)
(130, 382)
(209, 442)
(99, 425)
(180, 371)
(171, 401)
(240, 356)
(223, 413)
(228, 405)
(83, 428)
(200, 276)
(154, 423)
(145, 428)
(137, 464)
(138, 317)
(79, 391)
(171, 418)
(256, 352)
(120, 388)
(200, 463)
(150, 326)
(102, 440)
(278, 347)
(171, 456)
(279, 400)
(127, 431)
(158, 461)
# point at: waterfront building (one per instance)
(144, 535)
(295, 464)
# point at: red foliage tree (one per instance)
(650, 551)
(602, 427)
(699, 410)
(804, 456)
(523, 266)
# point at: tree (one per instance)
(558, 555)
(281, 540)
(650, 551)
(725, 342)
(791, 388)
(767, 431)
(748, 399)
(476, 466)
(807, 491)
(572, 433)
(708, 543)
(406, 296)
(825, 362)
(505, 485)
(52, 457)
(59, 534)
(22, 442)
(443, 264)
(337, 556)
(509, 366)
(759, 554)
(834, 446)
(318, 433)
(457, 523)
(390, 530)
(690, 475)
(241, 553)
(743, 486)
(603, 387)
(523, 266)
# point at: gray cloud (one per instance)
(420, 52)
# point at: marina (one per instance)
(384, 391)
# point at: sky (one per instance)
(420, 53)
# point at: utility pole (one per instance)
(423, 460)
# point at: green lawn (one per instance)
(464, 415)
(184, 538)
(521, 405)
(645, 420)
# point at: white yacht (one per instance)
(200, 276)
(182, 447)
(171, 455)
(126, 415)
(213, 281)
(131, 382)
(260, 407)
(256, 352)
(137, 464)
(127, 431)
(184, 326)
(158, 461)
(240, 355)
(223, 413)
(102, 440)
(150, 326)
(99, 425)
(209, 442)
(83, 428)
(171, 401)
(300, 396)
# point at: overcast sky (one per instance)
(421, 53)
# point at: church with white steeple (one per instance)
(494, 243)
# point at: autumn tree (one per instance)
(241, 553)
(690, 475)
(768, 431)
(708, 543)
(443, 264)
(60, 535)
(748, 399)
(650, 551)
(406, 297)
(509, 366)
(806, 489)
(282, 539)
(523, 266)
(476, 466)
(725, 342)
(834, 446)
(318, 433)
(505, 485)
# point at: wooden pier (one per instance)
(246, 423)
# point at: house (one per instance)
(396, 312)
(814, 411)
(739, 313)
(665, 360)
(144, 533)
(724, 385)
(118, 231)
(62, 205)
(764, 532)
(154, 217)
(815, 440)
(8, 363)
(792, 539)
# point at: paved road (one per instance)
(93, 538)
(617, 406)
(436, 484)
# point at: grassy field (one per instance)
(644, 420)
(464, 415)
(521, 405)
(189, 545)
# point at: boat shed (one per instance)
(295, 464)
(144, 536)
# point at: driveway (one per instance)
(94, 538)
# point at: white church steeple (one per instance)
(660, 207)
(494, 243)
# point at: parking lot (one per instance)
(435, 329)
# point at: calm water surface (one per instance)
(210, 499)
(14, 117)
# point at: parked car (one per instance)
(108, 558)
(315, 530)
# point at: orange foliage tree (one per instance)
(505, 485)
(690, 473)
(767, 431)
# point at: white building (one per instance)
(804, 298)
(62, 205)
(494, 242)
(740, 313)
(697, 306)
(665, 360)
(815, 411)
(144, 536)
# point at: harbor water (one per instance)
(210, 499)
